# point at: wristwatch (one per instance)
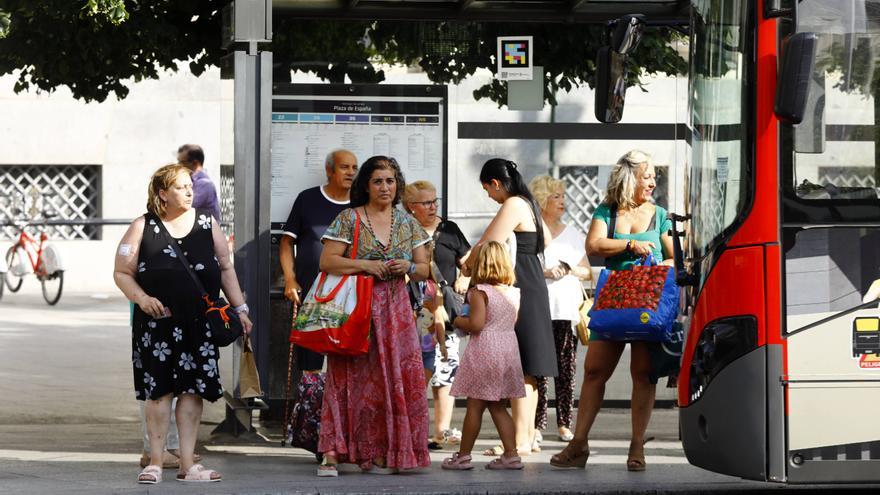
(412, 268)
(241, 309)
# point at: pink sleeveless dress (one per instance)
(490, 368)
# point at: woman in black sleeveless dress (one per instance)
(173, 353)
(518, 222)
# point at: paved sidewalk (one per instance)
(69, 424)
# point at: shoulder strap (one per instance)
(653, 224)
(357, 231)
(612, 221)
(180, 256)
(436, 275)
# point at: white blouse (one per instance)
(565, 293)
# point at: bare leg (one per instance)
(524, 410)
(470, 430)
(157, 414)
(504, 425)
(643, 394)
(443, 406)
(189, 415)
(602, 358)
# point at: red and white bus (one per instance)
(780, 377)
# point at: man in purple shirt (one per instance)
(204, 193)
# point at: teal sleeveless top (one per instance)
(624, 261)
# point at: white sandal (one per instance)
(151, 475)
(199, 474)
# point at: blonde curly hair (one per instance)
(544, 186)
(622, 182)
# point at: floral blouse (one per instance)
(406, 235)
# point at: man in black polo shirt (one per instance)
(312, 212)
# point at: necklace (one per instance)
(382, 247)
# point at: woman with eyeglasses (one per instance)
(449, 249)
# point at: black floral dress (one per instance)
(176, 354)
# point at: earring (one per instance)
(497, 188)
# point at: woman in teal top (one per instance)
(640, 228)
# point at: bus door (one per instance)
(831, 250)
(723, 384)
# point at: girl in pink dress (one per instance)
(490, 370)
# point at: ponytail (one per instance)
(506, 173)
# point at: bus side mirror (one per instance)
(610, 85)
(795, 74)
(628, 33)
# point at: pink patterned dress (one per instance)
(376, 405)
(490, 369)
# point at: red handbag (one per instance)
(336, 321)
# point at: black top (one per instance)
(450, 245)
(534, 333)
(176, 354)
(311, 214)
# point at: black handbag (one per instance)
(452, 301)
(225, 324)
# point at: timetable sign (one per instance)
(515, 58)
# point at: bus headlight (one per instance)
(721, 342)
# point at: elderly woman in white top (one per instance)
(565, 266)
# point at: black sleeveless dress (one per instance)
(537, 349)
(176, 355)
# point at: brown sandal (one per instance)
(571, 457)
(636, 463)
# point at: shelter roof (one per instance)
(580, 11)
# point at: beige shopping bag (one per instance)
(248, 378)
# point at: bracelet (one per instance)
(412, 268)
(628, 246)
(241, 309)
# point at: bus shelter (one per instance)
(249, 25)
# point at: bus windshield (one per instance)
(834, 152)
(719, 113)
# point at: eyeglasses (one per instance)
(428, 204)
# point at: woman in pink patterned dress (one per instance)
(375, 410)
(490, 370)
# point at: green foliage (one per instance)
(113, 10)
(4, 24)
(449, 52)
(92, 48)
(331, 50)
(97, 47)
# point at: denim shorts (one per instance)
(428, 358)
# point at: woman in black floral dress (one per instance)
(173, 353)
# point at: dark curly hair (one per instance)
(360, 188)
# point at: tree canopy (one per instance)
(96, 47)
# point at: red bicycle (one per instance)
(42, 259)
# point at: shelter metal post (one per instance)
(253, 88)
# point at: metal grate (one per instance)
(582, 194)
(227, 198)
(67, 192)
(584, 191)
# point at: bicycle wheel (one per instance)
(2, 283)
(52, 285)
(13, 282)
